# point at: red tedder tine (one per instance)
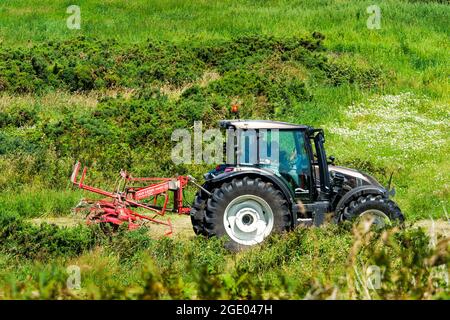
(80, 184)
(170, 232)
(76, 168)
(118, 209)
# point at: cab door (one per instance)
(294, 162)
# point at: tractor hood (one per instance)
(353, 177)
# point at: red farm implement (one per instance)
(150, 195)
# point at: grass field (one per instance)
(381, 95)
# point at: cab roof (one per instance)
(259, 124)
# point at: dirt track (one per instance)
(182, 225)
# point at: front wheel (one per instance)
(247, 211)
(380, 210)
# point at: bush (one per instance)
(343, 69)
(258, 72)
(84, 64)
(24, 240)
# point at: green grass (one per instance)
(410, 48)
(34, 202)
(382, 98)
(411, 40)
(294, 266)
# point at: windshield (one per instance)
(283, 151)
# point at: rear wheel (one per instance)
(198, 214)
(380, 210)
(246, 211)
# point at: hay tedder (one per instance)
(149, 195)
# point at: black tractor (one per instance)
(277, 177)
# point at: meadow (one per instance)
(111, 93)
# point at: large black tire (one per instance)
(198, 214)
(227, 192)
(373, 202)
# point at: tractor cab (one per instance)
(294, 153)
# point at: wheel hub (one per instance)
(376, 217)
(248, 219)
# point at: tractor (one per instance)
(278, 177)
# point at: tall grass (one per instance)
(291, 266)
(411, 38)
(34, 202)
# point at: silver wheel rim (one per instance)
(378, 217)
(248, 219)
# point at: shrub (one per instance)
(24, 240)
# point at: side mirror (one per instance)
(331, 160)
